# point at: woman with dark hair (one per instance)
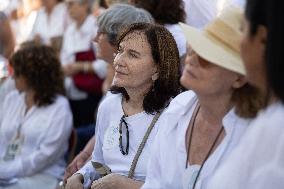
(145, 80)
(168, 13)
(109, 24)
(257, 162)
(36, 122)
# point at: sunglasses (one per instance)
(123, 123)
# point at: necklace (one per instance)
(191, 126)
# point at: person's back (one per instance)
(36, 121)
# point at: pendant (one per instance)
(13, 149)
(189, 176)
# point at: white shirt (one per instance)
(179, 36)
(53, 25)
(167, 164)
(200, 12)
(45, 131)
(78, 40)
(257, 162)
(107, 149)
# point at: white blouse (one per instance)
(45, 131)
(107, 149)
(257, 162)
(166, 169)
(53, 25)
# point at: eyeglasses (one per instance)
(121, 124)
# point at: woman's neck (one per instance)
(80, 21)
(135, 103)
(29, 100)
(213, 109)
(49, 9)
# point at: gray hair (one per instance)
(119, 16)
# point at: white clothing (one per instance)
(179, 36)
(22, 27)
(6, 87)
(240, 3)
(107, 149)
(45, 132)
(200, 12)
(257, 162)
(41, 181)
(53, 25)
(79, 40)
(167, 164)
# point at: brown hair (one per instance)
(40, 67)
(248, 101)
(163, 11)
(166, 57)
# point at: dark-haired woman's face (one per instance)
(134, 64)
(253, 55)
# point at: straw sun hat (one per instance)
(219, 42)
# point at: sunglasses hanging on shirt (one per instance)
(123, 150)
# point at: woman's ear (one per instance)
(239, 82)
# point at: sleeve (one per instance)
(52, 147)
(88, 170)
(100, 68)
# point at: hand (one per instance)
(76, 164)
(111, 181)
(75, 182)
(71, 69)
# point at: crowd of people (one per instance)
(128, 94)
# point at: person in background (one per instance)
(201, 127)
(7, 45)
(200, 12)
(257, 162)
(36, 122)
(110, 22)
(145, 80)
(22, 20)
(51, 23)
(160, 11)
(79, 61)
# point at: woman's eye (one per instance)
(133, 55)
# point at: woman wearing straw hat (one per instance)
(202, 126)
(257, 162)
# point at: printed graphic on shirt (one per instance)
(111, 136)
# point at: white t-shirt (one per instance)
(257, 162)
(53, 25)
(45, 132)
(167, 165)
(107, 149)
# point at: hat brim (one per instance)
(213, 50)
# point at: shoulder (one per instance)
(12, 97)
(182, 102)
(60, 104)
(110, 102)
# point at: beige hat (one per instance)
(219, 42)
